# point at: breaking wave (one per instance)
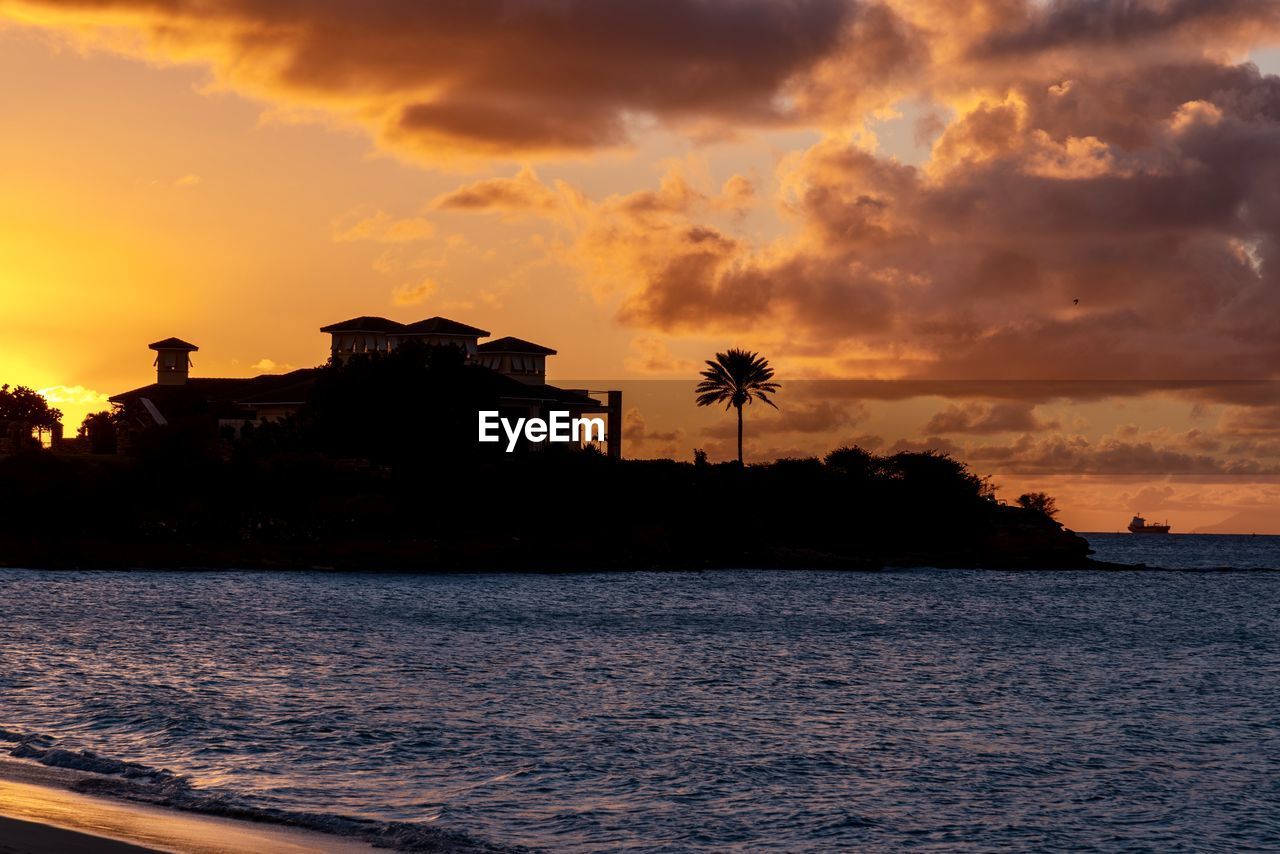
(104, 776)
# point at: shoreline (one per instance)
(42, 813)
(1042, 550)
(586, 568)
(1050, 550)
(18, 836)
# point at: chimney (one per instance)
(173, 360)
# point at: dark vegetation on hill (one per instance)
(549, 510)
(372, 476)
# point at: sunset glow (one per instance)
(1061, 219)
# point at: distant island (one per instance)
(370, 462)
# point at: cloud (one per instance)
(1160, 453)
(270, 366)
(489, 77)
(413, 294)
(987, 418)
(187, 181)
(75, 402)
(523, 192)
(1035, 390)
(822, 417)
(636, 432)
(497, 78)
(651, 355)
(1095, 217)
(936, 444)
(738, 194)
(867, 441)
(78, 395)
(1094, 204)
(367, 223)
(1255, 419)
(1240, 451)
(1046, 238)
(1089, 25)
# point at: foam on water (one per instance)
(681, 711)
(103, 775)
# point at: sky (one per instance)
(1046, 233)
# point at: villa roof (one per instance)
(172, 344)
(445, 326)
(242, 397)
(210, 388)
(432, 325)
(509, 344)
(364, 323)
(292, 388)
(204, 397)
(266, 388)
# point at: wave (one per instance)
(105, 776)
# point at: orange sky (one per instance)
(899, 189)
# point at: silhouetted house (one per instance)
(516, 358)
(510, 370)
(378, 334)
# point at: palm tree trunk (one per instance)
(739, 435)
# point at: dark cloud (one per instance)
(936, 444)
(1018, 254)
(1129, 24)
(821, 417)
(866, 441)
(1241, 392)
(689, 289)
(988, 418)
(1077, 455)
(635, 430)
(494, 76)
(1252, 421)
(1129, 108)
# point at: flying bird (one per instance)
(1076, 301)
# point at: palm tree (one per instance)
(735, 378)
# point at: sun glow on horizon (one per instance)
(974, 198)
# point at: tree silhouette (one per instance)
(25, 410)
(98, 429)
(1039, 502)
(411, 403)
(736, 378)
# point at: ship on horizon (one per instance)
(1139, 526)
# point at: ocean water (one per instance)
(1189, 551)
(699, 711)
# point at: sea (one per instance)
(796, 710)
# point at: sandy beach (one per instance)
(28, 837)
(40, 814)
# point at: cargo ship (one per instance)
(1140, 526)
